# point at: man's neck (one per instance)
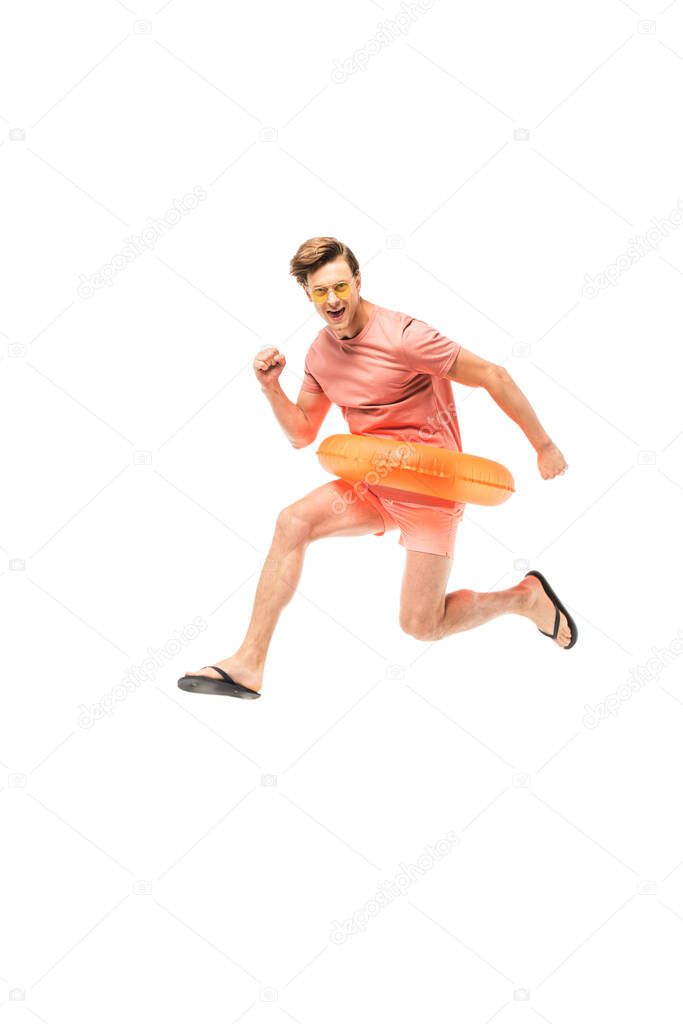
(361, 319)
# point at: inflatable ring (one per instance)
(415, 468)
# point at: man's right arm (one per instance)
(301, 421)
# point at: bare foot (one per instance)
(541, 610)
(236, 669)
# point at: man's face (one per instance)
(338, 313)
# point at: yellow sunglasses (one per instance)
(342, 290)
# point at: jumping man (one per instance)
(391, 375)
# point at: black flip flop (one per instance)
(226, 686)
(559, 607)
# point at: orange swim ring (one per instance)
(416, 468)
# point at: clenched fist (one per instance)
(551, 461)
(268, 365)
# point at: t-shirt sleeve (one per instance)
(309, 383)
(426, 350)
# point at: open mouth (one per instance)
(336, 314)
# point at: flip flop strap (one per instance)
(221, 672)
(556, 630)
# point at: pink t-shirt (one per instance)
(389, 380)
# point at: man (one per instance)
(391, 375)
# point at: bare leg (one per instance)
(276, 587)
(430, 614)
(318, 514)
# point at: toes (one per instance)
(565, 634)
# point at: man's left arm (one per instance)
(469, 369)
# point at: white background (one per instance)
(188, 856)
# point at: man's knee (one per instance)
(293, 525)
(420, 626)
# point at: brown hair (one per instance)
(315, 253)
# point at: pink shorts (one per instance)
(429, 528)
